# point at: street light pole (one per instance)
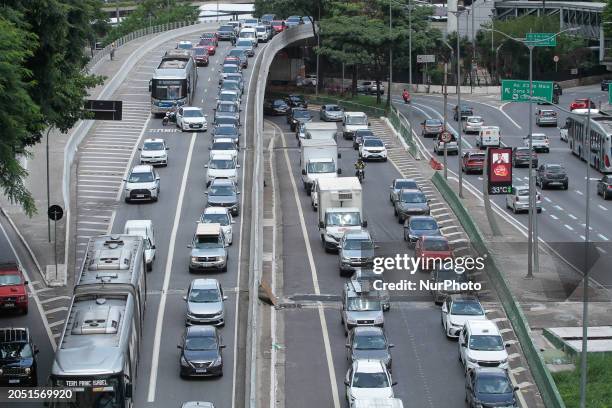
(48, 187)
(318, 47)
(460, 10)
(390, 58)
(410, 45)
(530, 235)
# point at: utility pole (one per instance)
(318, 46)
(445, 117)
(460, 10)
(390, 58)
(532, 196)
(410, 44)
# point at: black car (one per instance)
(201, 352)
(370, 343)
(17, 358)
(358, 136)
(223, 193)
(489, 387)
(520, 157)
(227, 131)
(552, 175)
(275, 107)
(242, 55)
(604, 187)
(465, 112)
(296, 116)
(605, 83)
(296, 101)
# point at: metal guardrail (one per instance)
(132, 36)
(404, 127)
(546, 384)
(346, 104)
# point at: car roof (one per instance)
(368, 366)
(142, 168)
(368, 330)
(201, 330)
(484, 327)
(361, 235)
(204, 228)
(205, 283)
(222, 182)
(411, 190)
(157, 140)
(192, 108)
(216, 210)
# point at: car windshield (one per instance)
(222, 164)
(423, 224)
(200, 51)
(230, 69)
(222, 219)
(221, 191)
(363, 304)
(333, 108)
(474, 120)
(207, 242)
(522, 192)
(433, 122)
(227, 107)
(230, 86)
(153, 146)
(476, 157)
(407, 184)
(141, 178)
(201, 343)
(539, 137)
(225, 130)
(436, 245)
(185, 46)
(204, 296)
(244, 43)
(370, 342)
(548, 113)
(555, 169)
(226, 28)
(207, 41)
(493, 385)
(470, 308)
(486, 342)
(448, 274)
(223, 146)
(337, 219)
(278, 103)
(192, 113)
(354, 244)
(356, 120)
(294, 19)
(260, 29)
(11, 350)
(370, 380)
(373, 143)
(228, 97)
(236, 53)
(321, 167)
(10, 279)
(414, 198)
(301, 114)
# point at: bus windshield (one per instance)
(168, 89)
(105, 392)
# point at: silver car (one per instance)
(331, 113)
(546, 117)
(359, 310)
(409, 203)
(205, 302)
(208, 249)
(355, 250)
(142, 184)
(247, 46)
(399, 184)
(154, 152)
(519, 199)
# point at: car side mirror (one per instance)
(25, 282)
(516, 388)
(124, 179)
(303, 172)
(140, 148)
(153, 247)
(185, 298)
(237, 166)
(237, 192)
(339, 155)
(321, 224)
(347, 345)
(222, 346)
(206, 193)
(346, 382)
(507, 345)
(394, 383)
(179, 347)
(36, 350)
(364, 224)
(339, 171)
(167, 148)
(157, 178)
(190, 246)
(150, 86)
(369, 123)
(224, 297)
(206, 165)
(391, 345)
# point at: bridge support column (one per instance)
(561, 19)
(602, 40)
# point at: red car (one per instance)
(213, 34)
(210, 44)
(278, 25)
(472, 161)
(582, 104)
(13, 293)
(428, 248)
(200, 55)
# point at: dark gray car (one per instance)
(223, 193)
(399, 184)
(549, 175)
(409, 203)
(369, 343)
(355, 250)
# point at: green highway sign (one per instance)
(610, 94)
(541, 39)
(513, 90)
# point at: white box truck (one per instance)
(378, 403)
(318, 159)
(320, 130)
(339, 209)
(353, 121)
(144, 229)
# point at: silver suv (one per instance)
(355, 250)
(142, 184)
(359, 310)
(205, 302)
(208, 248)
(154, 152)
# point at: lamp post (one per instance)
(532, 235)
(390, 59)
(460, 10)
(444, 109)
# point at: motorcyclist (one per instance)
(360, 165)
(406, 96)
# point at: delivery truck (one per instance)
(321, 130)
(318, 159)
(339, 209)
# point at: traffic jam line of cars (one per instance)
(343, 229)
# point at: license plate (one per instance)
(196, 126)
(200, 370)
(139, 195)
(13, 381)
(9, 305)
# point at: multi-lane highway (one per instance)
(563, 218)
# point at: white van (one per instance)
(488, 136)
(144, 229)
(481, 345)
(353, 121)
(250, 33)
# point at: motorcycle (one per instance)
(169, 117)
(360, 175)
(406, 98)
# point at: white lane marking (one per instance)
(548, 200)
(568, 227)
(162, 303)
(582, 237)
(33, 293)
(440, 116)
(558, 207)
(600, 249)
(554, 217)
(603, 237)
(53, 299)
(579, 192)
(572, 216)
(315, 280)
(602, 207)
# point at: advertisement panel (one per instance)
(499, 170)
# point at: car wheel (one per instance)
(224, 269)
(127, 200)
(565, 186)
(539, 210)
(25, 310)
(514, 209)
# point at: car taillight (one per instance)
(606, 160)
(21, 298)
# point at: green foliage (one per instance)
(286, 8)
(599, 376)
(152, 13)
(42, 48)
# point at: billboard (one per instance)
(499, 170)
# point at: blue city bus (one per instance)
(174, 81)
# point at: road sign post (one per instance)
(55, 213)
(541, 39)
(513, 90)
(423, 59)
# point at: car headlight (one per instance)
(194, 259)
(217, 361)
(351, 321)
(0, 371)
(184, 362)
(379, 319)
(472, 360)
(28, 370)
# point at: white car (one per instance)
(191, 118)
(144, 229)
(184, 45)
(473, 124)
(223, 145)
(481, 345)
(263, 33)
(229, 96)
(222, 166)
(142, 184)
(458, 309)
(368, 379)
(540, 142)
(373, 149)
(220, 215)
(154, 152)
(519, 199)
